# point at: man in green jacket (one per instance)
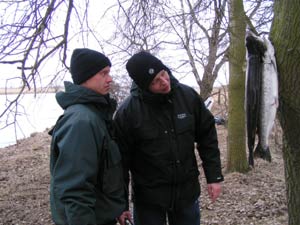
(85, 163)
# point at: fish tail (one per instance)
(251, 161)
(250, 158)
(263, 153)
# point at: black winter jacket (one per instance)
(157, 136)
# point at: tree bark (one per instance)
(285, 36)
(236, 151)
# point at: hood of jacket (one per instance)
(77, 94)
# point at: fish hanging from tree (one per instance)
(261, 98)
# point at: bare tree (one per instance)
(35, 39)
(286, 39)
(29, 38)
(259, 15)
(181, 31)
(201, 32)
(190, 36)
(236, 154)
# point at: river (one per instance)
(36, 114)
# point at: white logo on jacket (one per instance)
(181, 116)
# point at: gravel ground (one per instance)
(255, 198)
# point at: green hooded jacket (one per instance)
(85, 163)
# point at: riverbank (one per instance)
(255, 198)
(10, 91)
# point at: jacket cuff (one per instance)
(216, 179)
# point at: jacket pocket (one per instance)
(112, 172)
(184, 123)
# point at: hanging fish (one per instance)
(255, 52)
(261, 94)
(269, 102)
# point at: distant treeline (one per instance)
(4, 91)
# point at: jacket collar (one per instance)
(77, 94)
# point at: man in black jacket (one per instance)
(157, 128)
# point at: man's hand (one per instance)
(214, 191)
(124, 215)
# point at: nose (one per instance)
(109, 78)
(164, 81)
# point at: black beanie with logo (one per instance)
(85, 63)
(142, 67)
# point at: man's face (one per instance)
(100, 82)
(161, 83)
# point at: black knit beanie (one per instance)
(142, 67)
(85, 63)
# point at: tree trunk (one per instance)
(236, 151)
(285, 36)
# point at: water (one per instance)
(37, 114)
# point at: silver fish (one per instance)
(261, 99)
(269, 102)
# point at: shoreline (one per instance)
(11, 91)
